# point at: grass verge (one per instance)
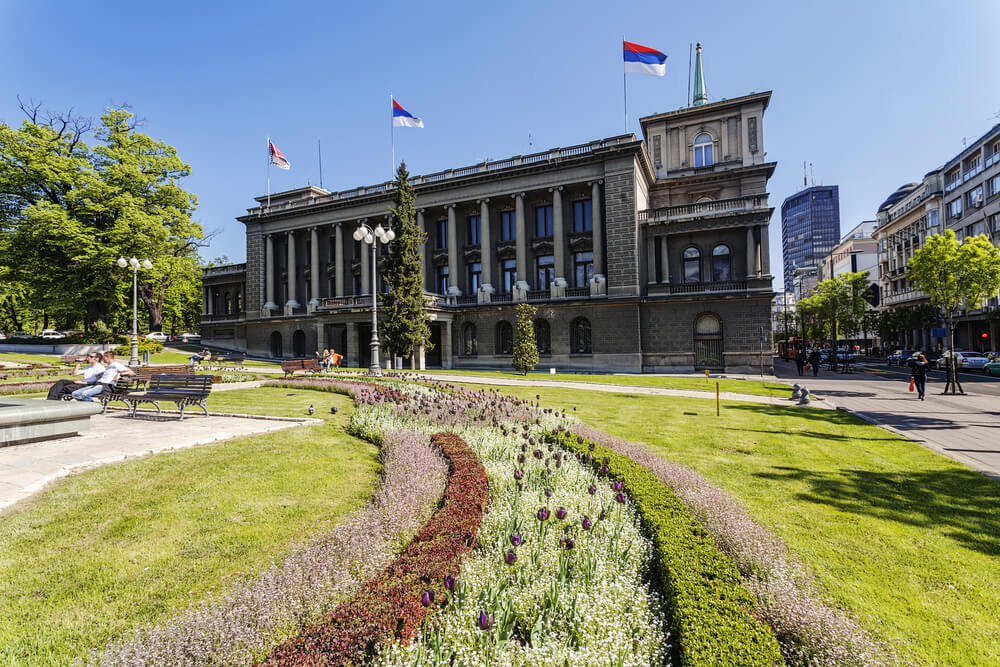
(102, 551)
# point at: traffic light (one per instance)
(984, 335)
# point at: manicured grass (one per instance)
(757, 387)
(905, 538)
(102, 551)
(29, 357)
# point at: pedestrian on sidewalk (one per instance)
(918, 370)
(814, 360)
(800, 362)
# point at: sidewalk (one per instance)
(964, 428)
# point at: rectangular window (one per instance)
(932, 218)
(974, 197)
(583, 268)
(973, 166)
(543, 221)
(442, 234)
(508, 226)
(508, 273)
(952, 179)
(442, 280)
(546, 271)
(955, 208)
(994, 186)
(472, 225)
(583, 219)
(977, 228)
(475, 277)
(995, 223)
(993, 154)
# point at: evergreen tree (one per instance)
(405, 322)
(525, 346)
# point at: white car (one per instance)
(158, 336)
(52, 334)
(965, 360)
(188, 337)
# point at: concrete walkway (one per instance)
(964, 428)
(26, 469)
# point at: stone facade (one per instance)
(635, 262)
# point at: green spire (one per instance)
(700, 96)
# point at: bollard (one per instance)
(796, 392)
(706, 375)
(716, 398)
(552, 371)
(804, 400)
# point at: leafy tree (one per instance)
(956, 276)
(406, 324)
(525, 345)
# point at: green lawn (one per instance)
(907, 539)
(29, 357)
(99, 552)
(758, 387)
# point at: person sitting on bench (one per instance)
(112, 371)
(199, 357)
(90, 374)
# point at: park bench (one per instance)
(220, 361)
(137, 382)
(182, 390)
(293, 365)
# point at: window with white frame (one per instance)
(703, 150)
(994, 184)
(952, 179)
(955, 208)
(932, 218)
(974, 197)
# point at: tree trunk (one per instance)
(154, 306)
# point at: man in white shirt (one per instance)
(90, 373)
(112, 371)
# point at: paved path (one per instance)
(964, 428)
(26, 469)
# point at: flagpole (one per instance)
(625, 86)
(269, 174)
(392, 140)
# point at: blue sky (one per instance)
(873, 94)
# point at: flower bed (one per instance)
(25, 387)
(809, 630)
(242, 625)
(393, 605)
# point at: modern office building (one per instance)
(963, 195)
(640, 255)
(810, 227)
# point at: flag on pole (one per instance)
(403, 118)
(276, 158)
(644, 60)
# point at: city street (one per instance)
(965, 428)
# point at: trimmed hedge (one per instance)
(390, 605)
(712, 620)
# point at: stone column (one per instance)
(650, 257)
(452, 250)
(765, 251)
(211, 302)
(558, 235)
(338, 266)
(751, 254)
(521, 241)
(320, 336)
(665, 259)
(353, 353)
(446, 345)
(598, 227)
(291, 304)
(423, 248)
(269, 276)
(313, 268)
(204, 301)
(366, 268)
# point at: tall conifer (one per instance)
(525, 345)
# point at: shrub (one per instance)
(390, 606)
(145, 345)
(525, 346)
(712, 617)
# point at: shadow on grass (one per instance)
(960, 504)
(841, 417)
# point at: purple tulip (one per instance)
(620, 497)
(561, 513)
(538, 453)
(579, 438)
(520, 458)
(427, 598)
(543, 514)
(589, 447)
(548, 493)
(592, 489)
(510, 557)
(518, 474)
(449, 582)
(516, 540)
(586, 524)
(617, 485)
(604, 470)
(567, 543)
(484, 621)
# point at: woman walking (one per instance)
(918, 370)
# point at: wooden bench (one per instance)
(137, 382)
(219, 361)
(182, 390)
(293, 365)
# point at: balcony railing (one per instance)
(702, 288)
(538, 295)
(223, 270)
(717, 207)
(222, 317)
(577, 291)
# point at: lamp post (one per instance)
(372, 237)
(135, 264)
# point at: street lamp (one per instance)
(372, 237)
(135, 264)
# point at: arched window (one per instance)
(469, 340)
(720, 263)
(543, 337)
(505, 339)
(703, 150)
(704, 199)
(276, 344)
(579, 336)
(708, 342)
(299, 343)
(692, 265)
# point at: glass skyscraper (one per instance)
(810, 227)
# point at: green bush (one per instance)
(711, 612)
(145, 345)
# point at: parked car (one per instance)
(3, 336)
(52, 334)
(992, 367)
(966, 360)
(843, 354)
(188, 337)
(904, 357)
(21, 335)
(158, 336)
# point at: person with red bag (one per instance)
(918, 374)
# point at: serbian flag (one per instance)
(641, 59)
(403, 118)
(276, 158)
